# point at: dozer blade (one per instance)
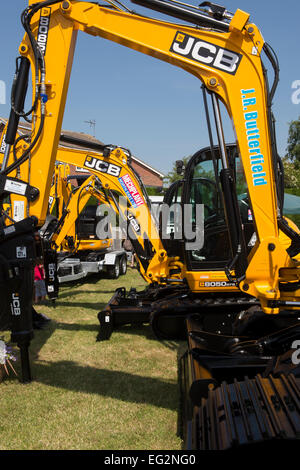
(121, 310)
(166, 309)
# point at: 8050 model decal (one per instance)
(216, 284)
(43, 29)
(206, 53)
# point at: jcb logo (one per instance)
(51, 272)
(133, 223)
(206, 53)
(3, 145)
(15, 305)
(102, 166)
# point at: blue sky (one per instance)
(146, 105)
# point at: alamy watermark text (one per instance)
(2, 92)
(296, 93)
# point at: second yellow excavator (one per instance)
(62, 205)
(77, 222)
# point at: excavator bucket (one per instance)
(233, 395)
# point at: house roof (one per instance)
(82, 141)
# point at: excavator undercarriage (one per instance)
(239, 380)
(239, 383)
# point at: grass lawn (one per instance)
(120, 394)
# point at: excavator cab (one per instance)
(205, 263)
(201, 186)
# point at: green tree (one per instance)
(173, 176)
(154, 191)
(291, 161)
(293, 148)
(291, 173)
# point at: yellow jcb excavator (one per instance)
(240, 387)
(62, 204)
(74, 230)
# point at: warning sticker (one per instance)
(21, 252)
(19, 210)
(15, 187)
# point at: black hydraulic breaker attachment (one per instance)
(17, 259)
(51, 277)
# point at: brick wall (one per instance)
(148, 177)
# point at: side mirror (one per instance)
(180, 167)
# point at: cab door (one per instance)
(202, 186)
(170, 221)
